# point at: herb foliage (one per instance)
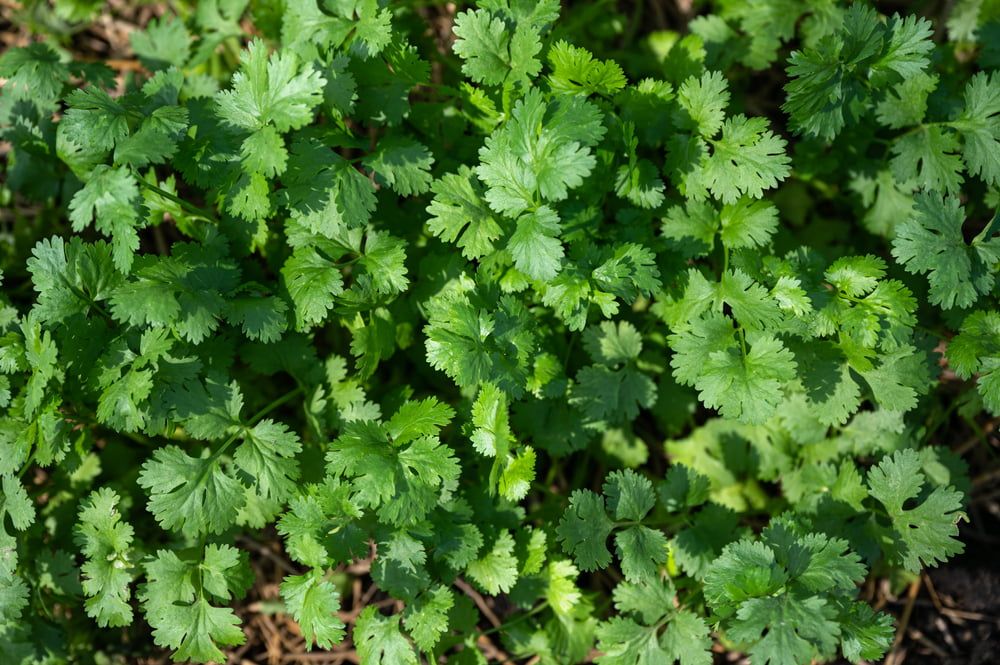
(378, 293)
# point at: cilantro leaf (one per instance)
(16, 503)
(106, 542)
(584, 530)
(181, 613)
(511, 472)
(313, 283)
(575, 70)
(475, 339)
(832, 82)
(71, 278)
(267, 455)
(931, 241)
(494, 52)
(189, 494)
(379, 640)
(496, 570)
(922, 535)
(744, 381)
(535, 245)
(542, 151)
(785, 594)
(427, 620)
(403, 164)
(745, 160)
(458, 214)
(34, 71)
(109, 198)
(613, 389)
(704, 101)
(979, 126)
(976, 350)
(313, 603)
(420, 467)
(271, 90)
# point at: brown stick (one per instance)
(895, 657)
(478, 600)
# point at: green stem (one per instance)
(569, 350)
(190, 207)
(27, 464)
(519, 619)
(243, 429)
(291, 394)
(505, 99)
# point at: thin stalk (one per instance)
(190, 207)
(519, 619)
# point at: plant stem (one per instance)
(190, 207)
(519, 619)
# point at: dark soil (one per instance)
(956, 616)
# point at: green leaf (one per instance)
(264, 152)
(746, 160)
(976, 350)
(979, 126)
(642, 551)
(313, 603)
(747, 223)
(687, 639)
(535, 246)
(109, 199)
(496, 571)
(403, 477)
(313, 282)
(188, 494)
(106, 542)
(683, 488)
(324, 191)
(630, 495)
(41, 354)
(459, 214)
(163, 43)
(403, 164)
(181, 614)
(517, 474)
(696, 547)
(584, 530)
(379, 641)
(35, 71)
(931, 241)
(512, 471)
(865, 633)
(832, 81)
(267, 456)
(427, 619)
(625, 642)
(928, 157)
(746, 385)
(542, 151)
(613, 388)
(271, 90)
(476, 340)
(925, 533)
(576, 70)
(71, 277)
(16, 503)
(786, 630)
(784, 596)
(494, 52)
(704, 101)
